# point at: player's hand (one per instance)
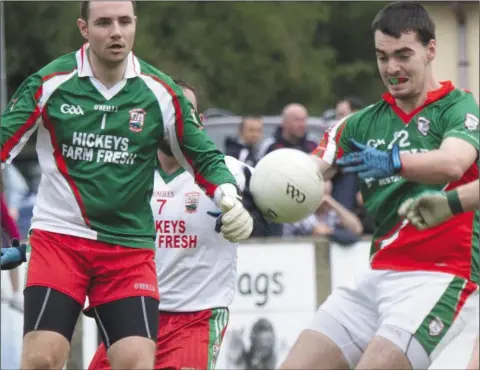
(371, 163)
(260, 224)
(237, 223)
(427, 210)
(14, 256)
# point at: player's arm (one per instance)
(20, 118)
(331, 148)
(469, 196)
(197, 153)
(444, 165)
(431, 208)
(458, 151)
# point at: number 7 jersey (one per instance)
(452, 247)
(196, 266)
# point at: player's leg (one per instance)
(341, 330)
(473, 363)
(124, 301)
(56, 285)
(190, 340)
(421, 313)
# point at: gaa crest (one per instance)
(471, 122)
(192, 200)
(423, 125)
(137, 118)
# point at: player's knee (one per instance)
(44, 350)
(41, 359)
(132, 353)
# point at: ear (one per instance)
(201, 117)
(431, 50)
(83, 27)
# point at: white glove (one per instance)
(237, 222)
(16, 302)
(427, 210)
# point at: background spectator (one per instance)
(245, 147)
(331, 220)
(292, 133)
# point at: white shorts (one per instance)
(431, 307)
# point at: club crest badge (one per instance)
(435, 327)
(471, 122)
(192, 199)
(423, 125)
(137, 118)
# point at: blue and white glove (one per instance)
(260, 225)
(371, 163)
(14, 256)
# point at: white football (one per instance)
(286, 185)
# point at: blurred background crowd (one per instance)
(268, 75)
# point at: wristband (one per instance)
(454, 202)
(397, 163)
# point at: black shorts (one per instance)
(49, 309)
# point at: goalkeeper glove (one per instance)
(369, 162)
(430, 208)
(14, 256)
(237, 223)
(260, 225)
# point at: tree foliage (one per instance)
(248, 57)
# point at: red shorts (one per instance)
(184, 340)
(79, 267)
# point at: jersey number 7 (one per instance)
(162, 203)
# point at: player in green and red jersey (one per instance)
(101, 114)
(422, 287)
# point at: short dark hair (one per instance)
(85, 9)
(185, 85)
(246, 118)
(405, 16)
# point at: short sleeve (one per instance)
(461, 121)
(335, 142)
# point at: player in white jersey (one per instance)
(196, 266)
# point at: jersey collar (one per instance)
(169, 178)
(432, 97)
(85, 70)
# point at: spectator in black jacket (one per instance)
(292, 132)
(245, 147)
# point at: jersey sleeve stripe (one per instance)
(62, 165)
(179, 129)
(332, 138)
(27, 126)
(337, 142)
(24, 132)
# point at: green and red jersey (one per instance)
(452, 247)
(97, 147)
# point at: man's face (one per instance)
(403, 63)
(296, 123)
(342, 110)
(110, 30)
(191, 97)
(252, 131)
